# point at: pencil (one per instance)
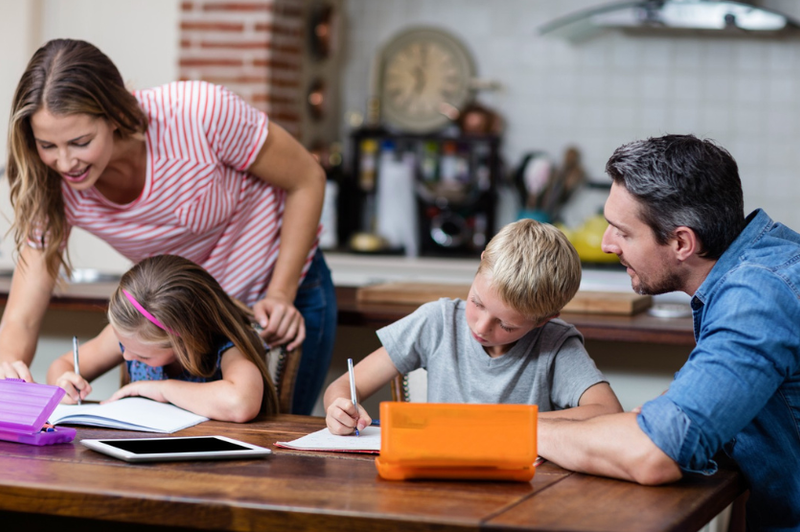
(75, 362)
(353, 389)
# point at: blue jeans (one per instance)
(316, 301)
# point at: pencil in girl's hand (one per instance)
(75, 362)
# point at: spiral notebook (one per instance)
(129, 413)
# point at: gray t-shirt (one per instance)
(548, 367)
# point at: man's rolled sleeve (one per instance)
(674, 433)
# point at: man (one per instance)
(676, 222)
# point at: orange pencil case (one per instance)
(457, 441)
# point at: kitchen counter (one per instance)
(352, 271)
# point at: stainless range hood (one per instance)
(706, 16)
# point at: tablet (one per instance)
(176, 448)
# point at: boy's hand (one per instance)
(76, 387)
(150, 389)
(342, 418)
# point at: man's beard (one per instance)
(671, 282)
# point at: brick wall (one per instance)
(254, 48)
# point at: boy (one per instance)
(503, 345)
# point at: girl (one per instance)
(187, 168)
(184, 340)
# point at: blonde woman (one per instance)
(187, 169)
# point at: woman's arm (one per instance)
(371, 374)
(284, 163)
(97, 356)
(595, 401)
(236, 397)
(31, 288)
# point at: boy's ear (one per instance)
(554, 316)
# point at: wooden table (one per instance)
(70, 487)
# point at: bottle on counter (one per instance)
(368, 164)
(328, 238)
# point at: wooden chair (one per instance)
(411, 387)
(282, 365)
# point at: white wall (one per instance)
(612, 89)
(118, 28)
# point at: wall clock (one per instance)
(422, 70)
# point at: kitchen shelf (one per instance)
(454, 188)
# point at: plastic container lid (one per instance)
(25, 406)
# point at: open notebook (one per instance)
(369, 441)
(129, 413)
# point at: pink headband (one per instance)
(146, 314)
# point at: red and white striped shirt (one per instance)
(198, 201)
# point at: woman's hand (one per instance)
(150, 389)
(342, 418)
(15, 370)
(280, 321)
(76, 387)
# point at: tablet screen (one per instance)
(176, 445)
(176, 448)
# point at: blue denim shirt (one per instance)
(740, 388)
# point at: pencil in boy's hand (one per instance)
(353, 389)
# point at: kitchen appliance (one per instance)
(733, 18)
(449, 180)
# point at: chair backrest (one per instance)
(411, 387)
(282, 365)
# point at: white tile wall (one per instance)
(614, 88)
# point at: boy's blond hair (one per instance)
(533, 267)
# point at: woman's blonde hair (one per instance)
(533, 267)
(198, 314)
(65, 77)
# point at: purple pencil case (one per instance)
(24, 409)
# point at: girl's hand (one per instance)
(342, 418)
(281, 322)
(149, 389)
(76, 387)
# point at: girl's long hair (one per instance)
(186, 299)
(65, 77)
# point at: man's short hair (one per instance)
(680, 180)
(533, 267)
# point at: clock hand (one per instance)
(419, 79)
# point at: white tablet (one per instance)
(176, 448)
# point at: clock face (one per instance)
(423, 69)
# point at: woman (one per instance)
(187, 169)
